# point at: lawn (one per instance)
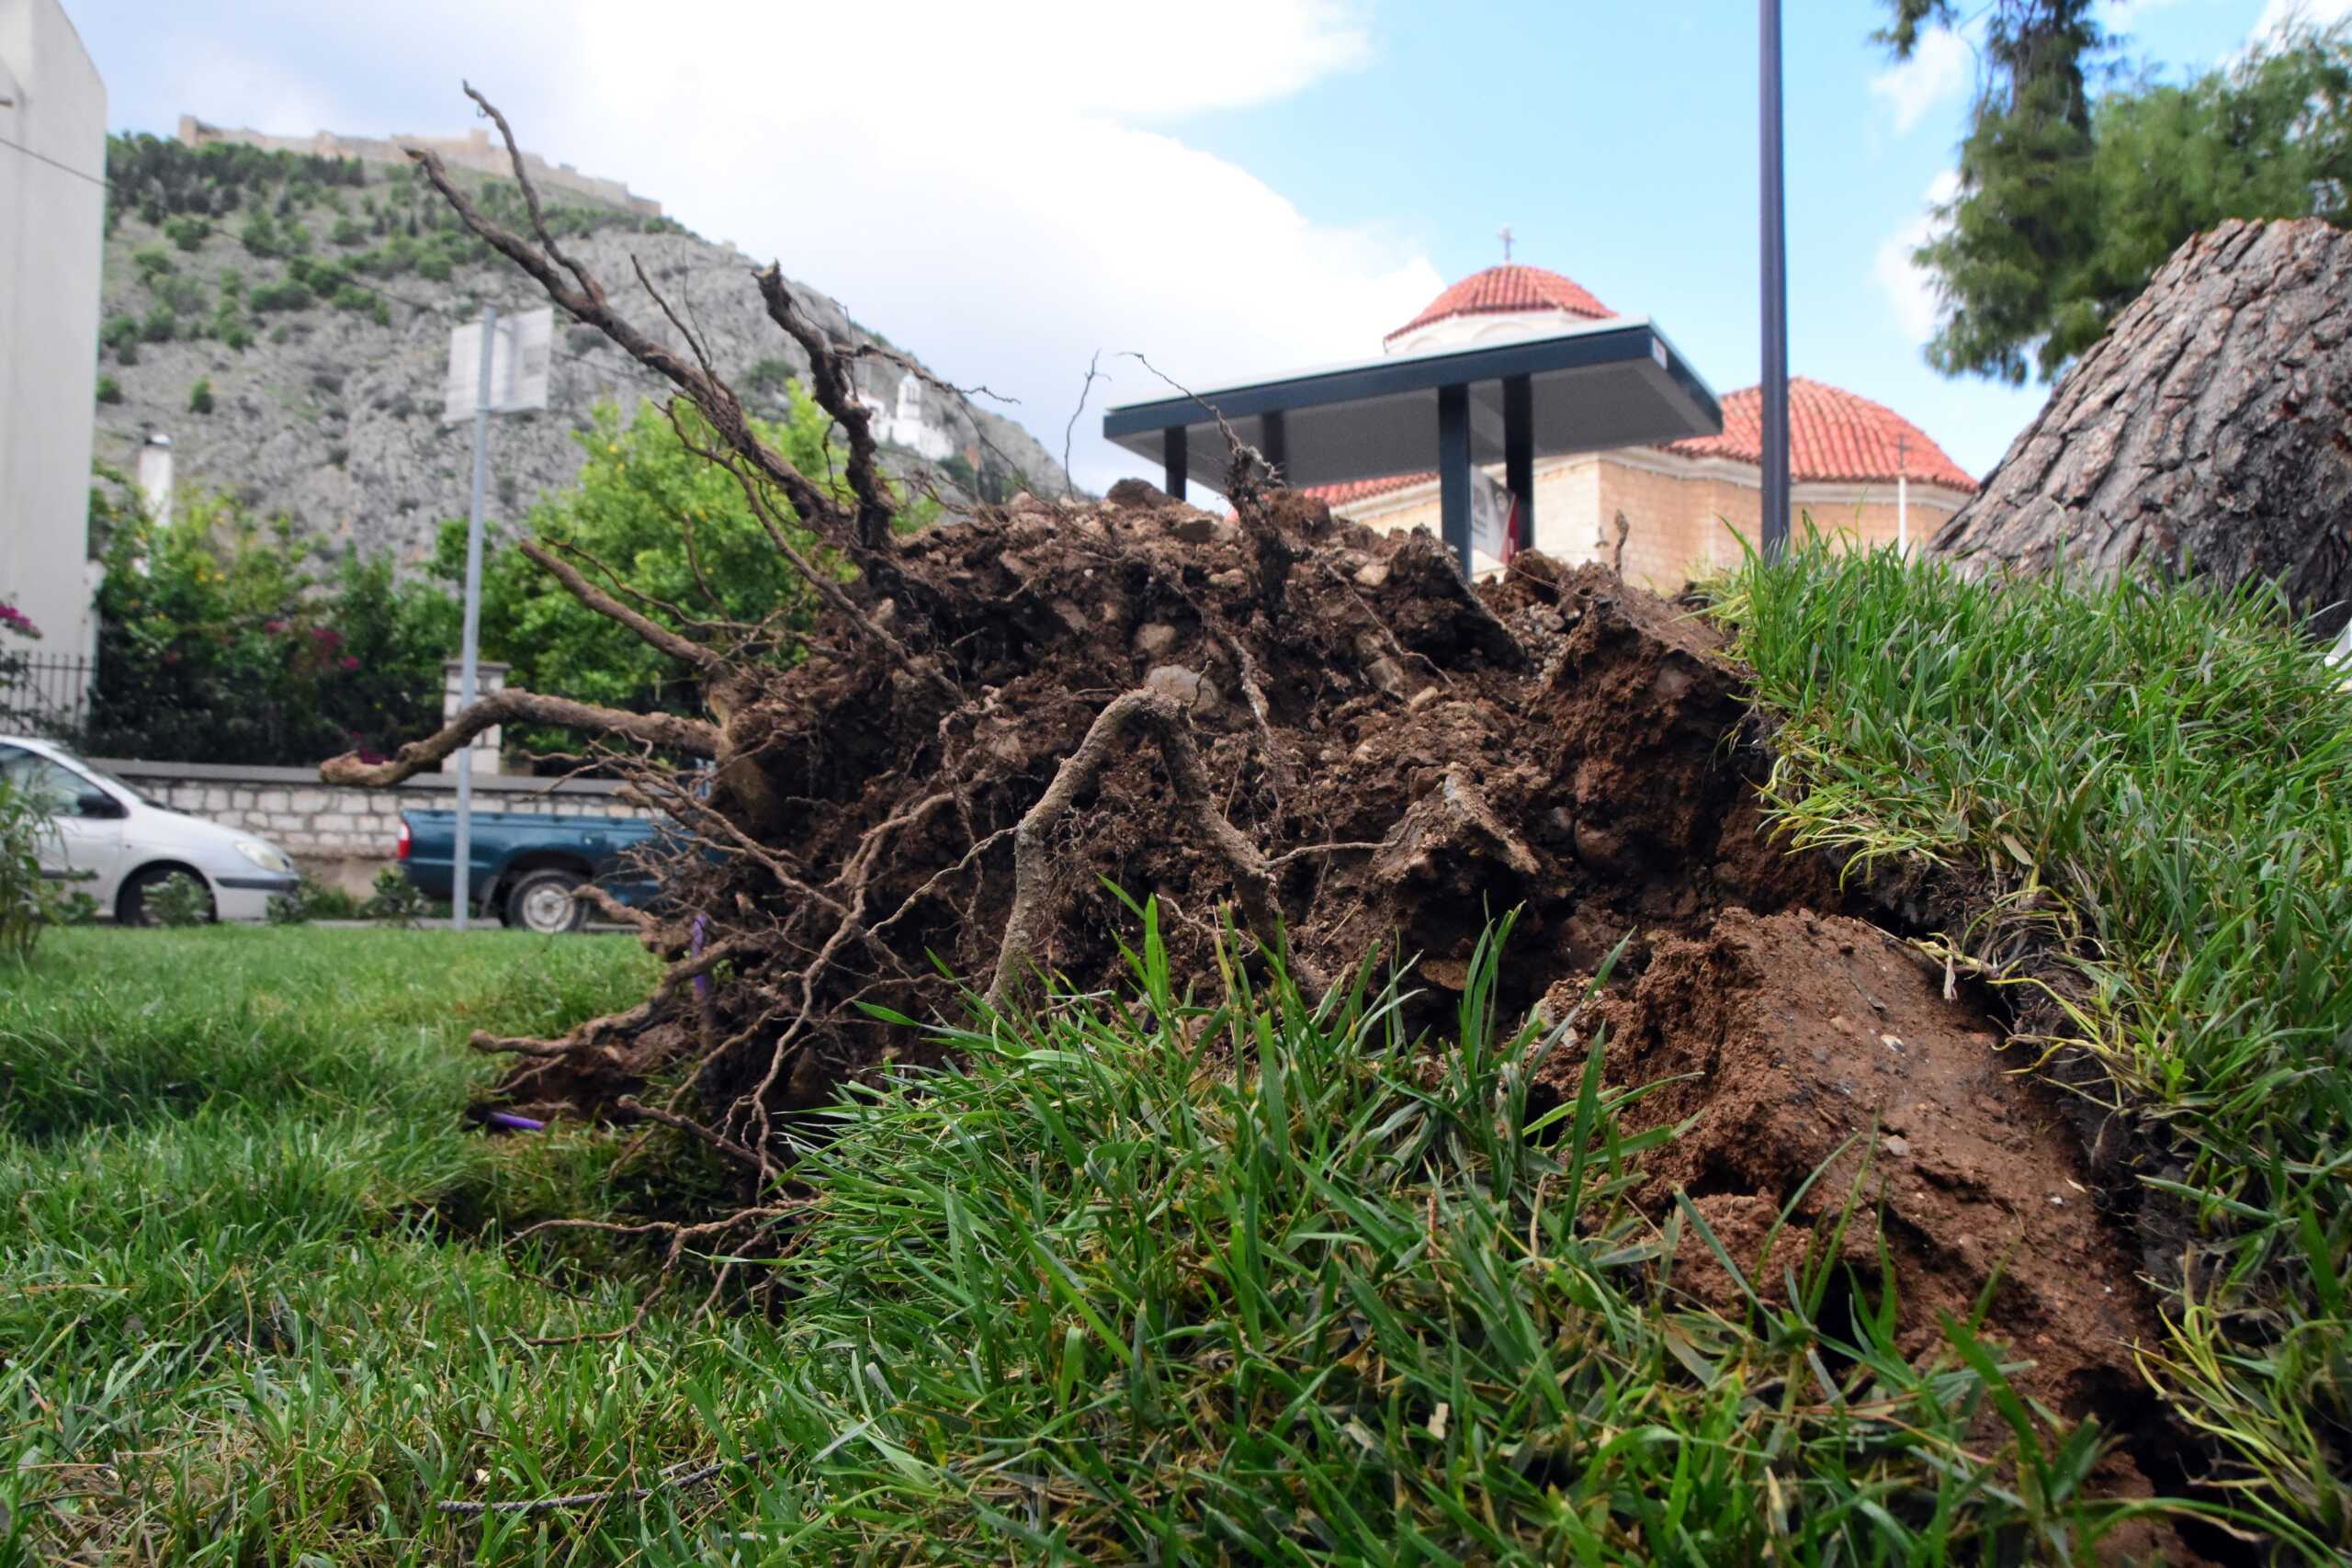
(1093, 1299)
(1233, 1278)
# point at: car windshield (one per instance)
(10, 753)
(140, 795)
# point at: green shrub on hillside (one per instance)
(199, 396)
(187, 233)
(289, 294)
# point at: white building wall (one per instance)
(52, 215)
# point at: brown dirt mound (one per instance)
(1411, 759)
(1339, 734)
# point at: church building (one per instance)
(1663, 516)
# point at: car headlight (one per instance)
(267, 856)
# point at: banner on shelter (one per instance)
(1494, 518)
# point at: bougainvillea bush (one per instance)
(220, 640)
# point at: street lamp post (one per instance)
(1775, 390)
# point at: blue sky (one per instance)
(1231, 187)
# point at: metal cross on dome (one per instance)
(1505, 236)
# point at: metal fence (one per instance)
(46, 694)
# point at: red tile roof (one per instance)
(1504, 291)
(1365, 489)
(1834, 436)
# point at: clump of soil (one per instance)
(1807, 1043)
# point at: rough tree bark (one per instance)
(2209, 432)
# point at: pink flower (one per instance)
(272, 628)
(350, 661)
(16, 621)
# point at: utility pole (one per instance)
(470, 655)
(1775, 390)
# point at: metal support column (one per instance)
(1775, 390)
(1172, 458)
(1453, 471)
(1273, 440)
(1519, 454)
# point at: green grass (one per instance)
(1239, 1279)
(2153, 783)
(1144, 1280)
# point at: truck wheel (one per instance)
(541, 901)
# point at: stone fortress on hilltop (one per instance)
(473, 150)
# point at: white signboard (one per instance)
(1489, 517)
(518, 364)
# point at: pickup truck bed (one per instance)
(525, 863)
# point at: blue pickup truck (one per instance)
(525, 863)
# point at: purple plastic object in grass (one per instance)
(513, 1122)
(702, 982)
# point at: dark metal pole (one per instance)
(1519, 453)
(1273, 441)
(1453, 471)
(1775, 390)
(1172, 460)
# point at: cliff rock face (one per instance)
(321, 339)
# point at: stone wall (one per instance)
(471, 151)
(343, 835)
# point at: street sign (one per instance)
(510, 378)
(519, 348)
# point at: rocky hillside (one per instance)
(286, 320)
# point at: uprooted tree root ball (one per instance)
(1317, 732)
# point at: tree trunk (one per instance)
(2209, 432)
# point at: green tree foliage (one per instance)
(217, 642)
(199, 396)
(2069, 200)
(677, 531)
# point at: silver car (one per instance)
(118, 846)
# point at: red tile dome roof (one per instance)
(1835, 435)
(1508, 290)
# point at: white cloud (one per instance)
(2279, 14)
(1910, 294)
(1937, 72)
(1003, 189)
